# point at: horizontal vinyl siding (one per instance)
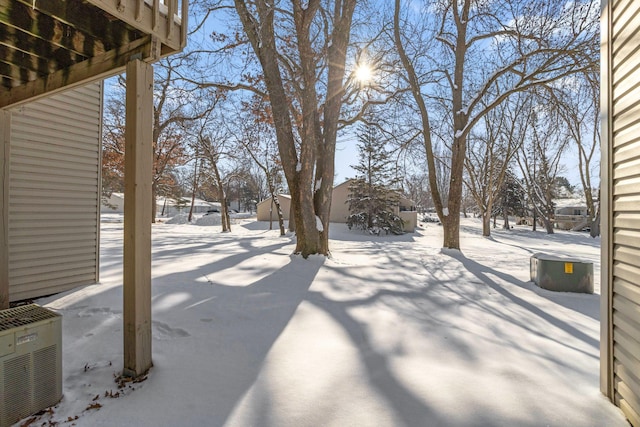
(625, 202)
(54, 193)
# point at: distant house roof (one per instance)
(196, 202)
(280, 196)
(575, 202)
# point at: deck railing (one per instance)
(165, 19)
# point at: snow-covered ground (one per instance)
(390, 331)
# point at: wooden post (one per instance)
(137, 219)
(5, 139)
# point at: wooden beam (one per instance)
(137, 219)
(5, 136)
(98, 67)
(42, 34)
(19, 64)
(84, 17)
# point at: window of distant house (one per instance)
(577, 212)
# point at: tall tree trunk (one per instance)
(292, 222)
(224, 211)
(154, 195)
(194, 188)
(312, 159)
(276, 201)
(271, 213)
(451, 217)
(451, 231)
(594, 225)
(486, 223)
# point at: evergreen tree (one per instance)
(372, 194)
(511, 199)
(563, 188)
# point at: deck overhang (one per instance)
(47, 45)
(51, 45)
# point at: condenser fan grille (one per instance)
(23, 316)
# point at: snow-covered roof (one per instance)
(196, 202)
(570, 203)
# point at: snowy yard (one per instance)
(390, 331)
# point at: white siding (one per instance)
(54, 193)
(621, 177)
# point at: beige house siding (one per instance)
(409, 220)
(264, 207)
(620, 195)
(339, 206)
(53, 193)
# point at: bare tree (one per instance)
(514, 45)
(416, 186)
(198, 164)
(540, 161)
(490, 152)
(578, 106)
(301, 52)
(258, 141)
(112, 148)
(213, 143)
(171, 112)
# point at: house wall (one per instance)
(264, 207)
(620, 204)
(339, 208)
(339, 205)
(572, 210)
(114, 204)
(409, 220)
(200, 206)
(53, 193)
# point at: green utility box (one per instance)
(561, 274)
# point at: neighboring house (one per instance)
(112, 204)
(340, 208)
(166, 206)
(266, 209)
(570, 207)
(53, 178)
(339, 205)
(620, 206)
(570, 214)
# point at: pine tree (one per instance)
(372, 194)
(511, 199)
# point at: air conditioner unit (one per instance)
(30, 361)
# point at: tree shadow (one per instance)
(235, 322)
(405, 404)
(483, 273)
